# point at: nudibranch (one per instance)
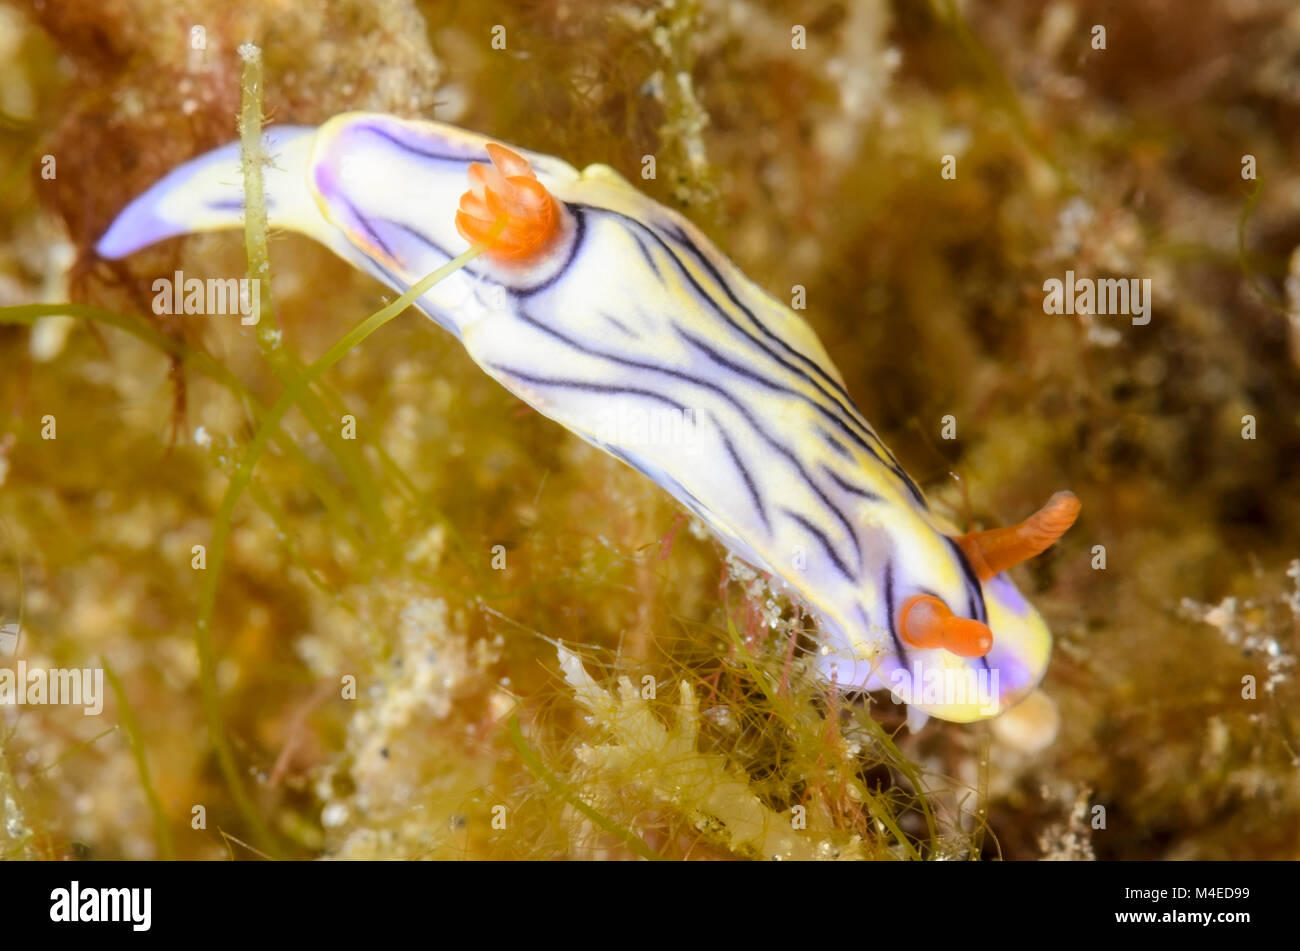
(596, 306)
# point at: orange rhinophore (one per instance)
(508, 189)
(994, 551)
(925, 621)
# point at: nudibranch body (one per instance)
(603, 310)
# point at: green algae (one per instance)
(927, 291)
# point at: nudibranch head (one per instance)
(966, 644)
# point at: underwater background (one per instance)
(457, 631)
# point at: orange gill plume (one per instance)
(508, 189)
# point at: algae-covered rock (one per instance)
(434, 624)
